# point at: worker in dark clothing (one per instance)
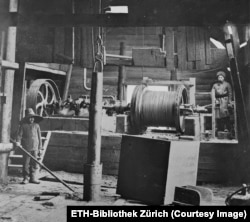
(29, 136)
(223, 99)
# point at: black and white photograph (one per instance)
(124, 109)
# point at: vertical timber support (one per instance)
(121, 92)
(173, 73)
(1, 76)
(214, 127)
(8, 86)
(67, 81)
(7, 107)
(93, 168)
(72, 61)
(232, 47)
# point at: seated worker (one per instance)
(223, 98)
(29, 135)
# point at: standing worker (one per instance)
(223, 99)
(29, 136)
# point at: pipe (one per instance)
(109, 96)
(93, 168)
(85, 80)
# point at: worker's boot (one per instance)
(33, 179)
(25, 180)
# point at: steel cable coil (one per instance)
(157, 108)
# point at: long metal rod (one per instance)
(42, 165)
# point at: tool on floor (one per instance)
(240, 197)
(43, 166)
(192, 196)
(41, 198)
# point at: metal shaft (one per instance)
(43, 166)
(93, 168)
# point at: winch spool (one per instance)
(157, 109)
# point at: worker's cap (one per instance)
(30, 113)
(221, 73)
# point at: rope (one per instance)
(157, 108)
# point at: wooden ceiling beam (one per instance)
(106, 20)
(141, 13)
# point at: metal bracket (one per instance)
(99, 56)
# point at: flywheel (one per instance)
(41, 96)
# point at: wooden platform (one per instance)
(76, 123)
(216, 163)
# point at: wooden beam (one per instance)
(109, 20)
(9, 65)
(160, 12)
(160, 83)
(118, 62)
(8, 86)
(46, 67)
(121, 76)
(119, 56)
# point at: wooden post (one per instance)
(2, 45)
(213, 114)
(163, 39)
(122, 76)
(68, 75)
(67, 82)
(192, 91)
(7, 106)
(173, 77)
(93, 168)
(1, 74)
(8, 86)
(232, 45)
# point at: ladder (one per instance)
(16, 156)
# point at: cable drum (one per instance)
(157, 108)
